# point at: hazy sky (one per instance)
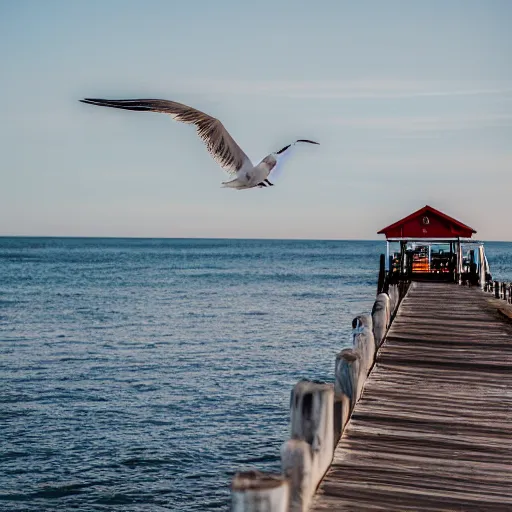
(410, 100)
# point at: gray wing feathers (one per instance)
(222, 147)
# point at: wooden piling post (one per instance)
(397, 300)
(341, 412)
(296, 465)
(362, 320)
(381, 317)
(253, 491)
(363, 339)
(393, 298)
(349, 375)
(382, 273)
(497, 289)
(311, 418)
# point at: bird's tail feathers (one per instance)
(236, 183)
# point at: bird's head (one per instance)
(269, 161)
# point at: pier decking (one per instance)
(433, 428)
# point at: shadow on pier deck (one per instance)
(433, 428)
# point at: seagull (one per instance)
(221, 146)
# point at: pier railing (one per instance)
(319, 412)
(501, 290)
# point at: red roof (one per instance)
(427, 222)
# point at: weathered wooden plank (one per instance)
(433, 428)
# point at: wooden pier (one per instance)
(419, 416)
(433, 427)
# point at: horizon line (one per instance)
(216, 238)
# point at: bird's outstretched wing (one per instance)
(223, 148)
(284, 154)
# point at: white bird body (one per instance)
(223, 148)
(251, 177)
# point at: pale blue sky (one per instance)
(410, 100)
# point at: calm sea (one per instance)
(139, 375)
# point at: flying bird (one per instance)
(221, 146)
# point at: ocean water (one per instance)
(140, 375)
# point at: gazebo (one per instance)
(428, 244)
